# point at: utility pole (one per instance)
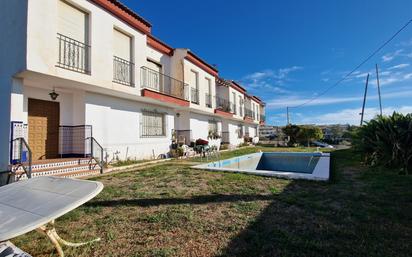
(379, 88)
(364, 100)
(287, 115)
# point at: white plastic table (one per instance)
(34, 204)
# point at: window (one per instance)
(194, 86)
(153, 124)
(240, 106)
(257, 112)
(123, 66)
(208, 96)
(240, 131)
(72, 38)
(72, 22)
(234, 102)
(153, 78)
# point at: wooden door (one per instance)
(43, 120)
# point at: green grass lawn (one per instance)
(173, 210)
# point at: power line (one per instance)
(356, 68)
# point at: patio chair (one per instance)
(7, 249)
(188, 151)
(181, 140)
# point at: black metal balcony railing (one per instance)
(223, 104)
(73, 54)
(123, 71)
(194, 93)
(164, 84)
(208, 100)
(249, 113)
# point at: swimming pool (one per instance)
(313, 166)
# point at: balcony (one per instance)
(249, 114)
(123, 71)
(73, 54)
(208, 100)
(163, 88)
(224, 107)
(194, 95)
(262, 119)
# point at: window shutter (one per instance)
(121, 45)
(72, 22)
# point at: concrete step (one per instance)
(55, 163)
(61, 167)
(79, 174)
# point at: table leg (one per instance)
(50, 231)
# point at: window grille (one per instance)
(153, 124)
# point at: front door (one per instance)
(43, 120)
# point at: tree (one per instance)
(292, 132)
(309, 133)
(336, 131)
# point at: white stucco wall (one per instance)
(71, 103)
(116, 126)
(232, 127)
(161, 58)
(199, 124)
(238, 94)
(188, 67)
(43, 50)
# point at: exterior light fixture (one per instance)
(53, 95)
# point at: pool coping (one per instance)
(321, 171)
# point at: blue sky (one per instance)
(287, 51)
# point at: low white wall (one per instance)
(116, 126)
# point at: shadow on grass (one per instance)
(346, 217)
(202, 199)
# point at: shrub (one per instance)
(224, 146)
(292, 132)
(387, 141)
(244, 144)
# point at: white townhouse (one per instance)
(83, 81)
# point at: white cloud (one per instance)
(407, 76)
(351, 116)
(291, 101)
(271, 81)
(259, 75)
(399, 66)
(390, 56)
(394, 77)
